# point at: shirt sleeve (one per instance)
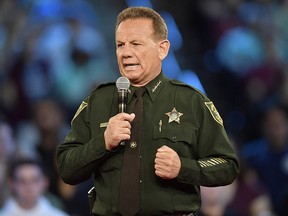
(217, 163)
(80, 154)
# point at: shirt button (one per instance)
(133, 144)
(174, 138)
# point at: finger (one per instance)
(158, 161)
(163, 148)
(161, 168)
(124, 124)
(124, 137)
(165, 172)
(125, 117)
(158, 173)
(125, 131)
(162, 155)
(161, 174)
(158, 169)
(162, 163)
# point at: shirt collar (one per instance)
(153, 87)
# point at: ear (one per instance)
(163, 48)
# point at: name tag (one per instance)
(104, 124)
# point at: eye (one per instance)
(120, 45)
(136, 44)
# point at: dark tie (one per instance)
(129, 187)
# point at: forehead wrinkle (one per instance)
(135, 27)
(128, 37)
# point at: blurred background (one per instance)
(54, 52)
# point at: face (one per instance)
(139, 55)
(276, 128)
(48, 116)
(28, 184)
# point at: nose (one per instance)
(126, 52)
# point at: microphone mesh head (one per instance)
(123, 83)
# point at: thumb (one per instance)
(132, 117)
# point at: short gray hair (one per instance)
(159, 25)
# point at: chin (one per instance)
(131, 75)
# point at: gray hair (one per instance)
(159, 25)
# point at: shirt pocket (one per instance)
(180, 138)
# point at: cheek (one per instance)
(146, 59)
(153, 55)
(118, 59)
(150, 61)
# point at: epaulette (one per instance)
(179, 83)
(104, 85)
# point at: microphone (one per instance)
(122, 85)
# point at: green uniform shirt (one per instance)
(175, 115)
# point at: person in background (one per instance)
(39, 138)
(268, 156)
(7, 149)
(180, 145)
(28, 186)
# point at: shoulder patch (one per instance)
(81, 107)
(215, 114)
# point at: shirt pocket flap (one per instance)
(174, 133)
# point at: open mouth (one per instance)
(130, 66)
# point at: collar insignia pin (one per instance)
(174, 115)
(156, 86)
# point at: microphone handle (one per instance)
(122, 104)
(122, 100)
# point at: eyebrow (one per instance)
(133, 41)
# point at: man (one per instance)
(183, 145)
(28, 185)
(268, 156)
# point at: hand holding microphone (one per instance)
(119, 126)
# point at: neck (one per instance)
(24, 204)
(146, 82)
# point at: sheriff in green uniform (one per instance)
(184, 143)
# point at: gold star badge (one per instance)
(174, 115)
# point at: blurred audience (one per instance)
(250, 195)
(7, 149)
(28, 187)
(268, 155)
(215, 200)
(39, 135)
(38, 138)
(246, 196)
(83, 67)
